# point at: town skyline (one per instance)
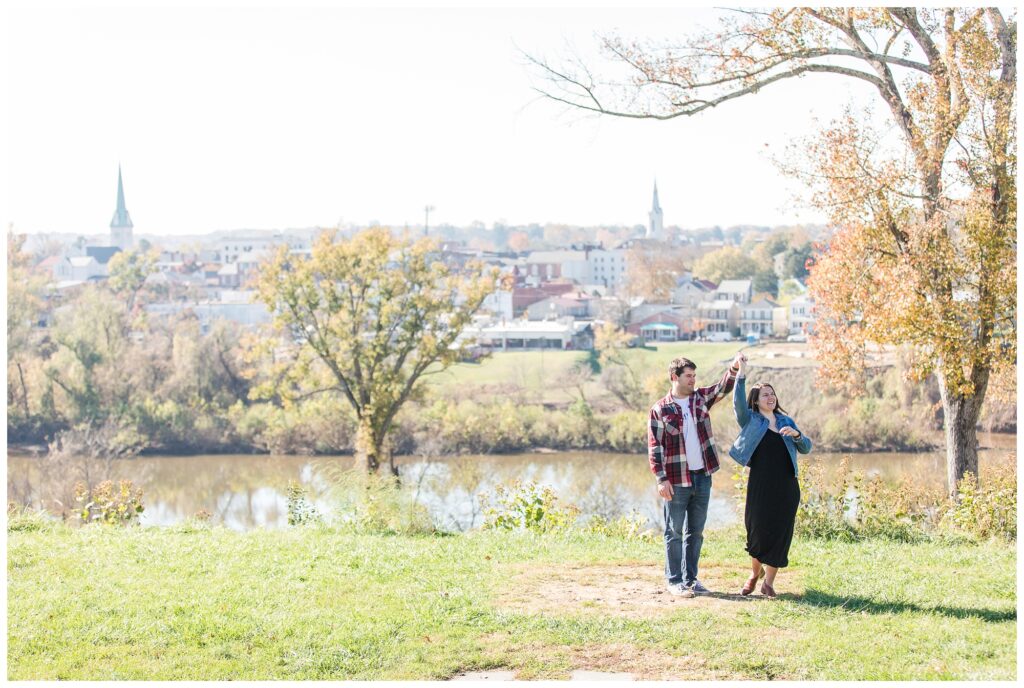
(122, 215)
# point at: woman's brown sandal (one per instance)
(768, 591)
(751, 583)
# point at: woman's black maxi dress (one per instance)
(773, 495)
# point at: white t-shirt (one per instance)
(691, 440)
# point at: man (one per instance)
(681, 450)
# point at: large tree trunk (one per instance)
(368, 450)
(369, 460)
(373, 449)
(961, 413)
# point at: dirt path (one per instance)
(633, 589)
(630, 590)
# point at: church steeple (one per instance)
(121, 224)
(654, 229)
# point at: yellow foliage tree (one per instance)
(377, 312)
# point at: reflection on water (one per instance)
(249, 491)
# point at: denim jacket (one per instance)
(753, 426)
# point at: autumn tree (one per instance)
(925, 252)
(652, 268)
(518, 241)
(376, 312)
(128, 272)
(727, 263)
(24, 305)
(91, 338)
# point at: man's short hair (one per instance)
(678, 364)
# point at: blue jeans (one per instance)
(685, 515)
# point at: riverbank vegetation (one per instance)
(182, 391)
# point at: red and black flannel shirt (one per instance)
(666, 448)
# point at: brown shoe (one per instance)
(768, 591)
(749, 586)
(751, 583)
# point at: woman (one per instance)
(768, 443)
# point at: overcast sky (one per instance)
(278, 117)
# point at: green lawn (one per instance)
(540, 375)
(314, 603)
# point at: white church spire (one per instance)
(654, 229)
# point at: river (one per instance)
(250, 491)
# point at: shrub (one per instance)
(106, 504)
(525, 506)
(374, 504)
(905, 511)
(301, 511)
(855, 507)
(22, 519)
(989, 510)
(823, 506)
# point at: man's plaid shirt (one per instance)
(665, 446)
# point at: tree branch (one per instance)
(693, 106)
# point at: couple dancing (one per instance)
(682, 455)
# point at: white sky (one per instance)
(281, 117)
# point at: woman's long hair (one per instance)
(755, 392)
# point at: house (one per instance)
(690, 292)
(210, 273)
(719, 316)
(801, 315)
(757, 317)
(575, 305)
(228, 276)
(734, 290)
(48, 266)
(78, 269)
(639, 312)
(668, 325)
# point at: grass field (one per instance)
(184, 603)
(541, 376)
